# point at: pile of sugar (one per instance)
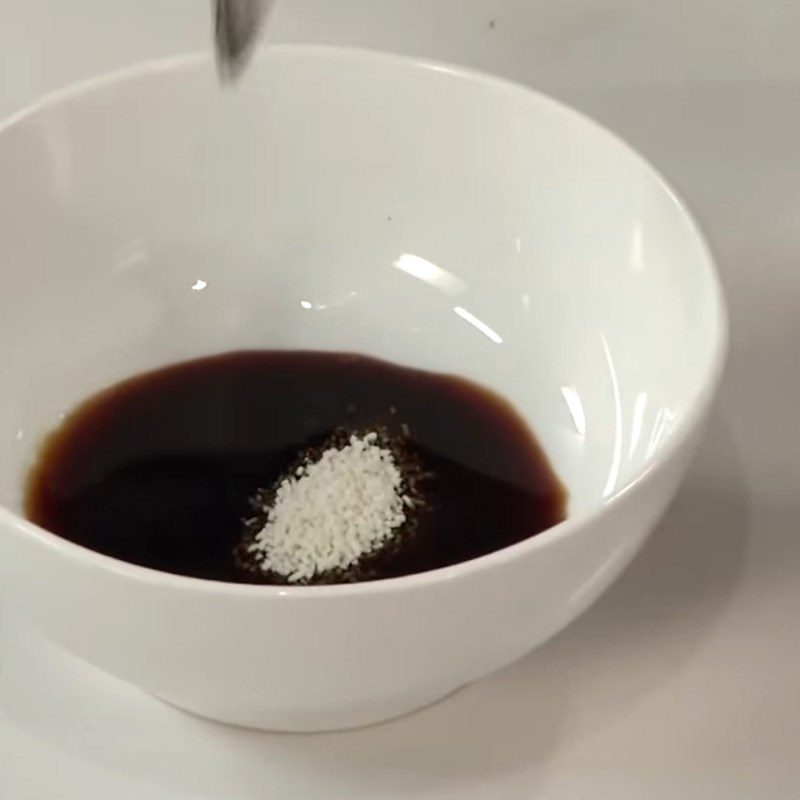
(332, 511)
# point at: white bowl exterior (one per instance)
(326, 661)
(466, 226)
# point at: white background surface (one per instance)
(682, 681)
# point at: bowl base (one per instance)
(283, 722)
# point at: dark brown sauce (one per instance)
(159, 470)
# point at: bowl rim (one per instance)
(686, 427)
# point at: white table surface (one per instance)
(682, 681)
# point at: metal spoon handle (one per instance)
(237, 24)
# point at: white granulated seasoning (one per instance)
(332, 511)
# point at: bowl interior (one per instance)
(351, 201)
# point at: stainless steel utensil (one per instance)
(237, 25)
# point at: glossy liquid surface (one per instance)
(160, 469)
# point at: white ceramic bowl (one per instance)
(346, 200)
